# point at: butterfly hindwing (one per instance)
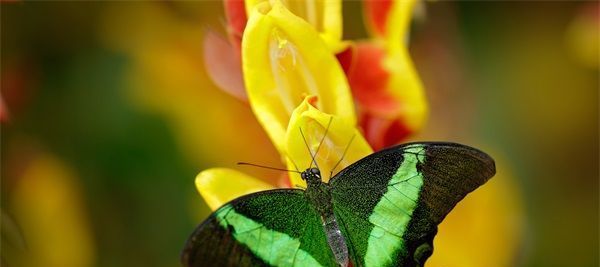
(389, 204)
(269, 228)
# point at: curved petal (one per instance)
(339, 137)
(386, 84)
(235, 13)
(398, 25)
(284, 60)
(389, 94)
(219, 185)
(324, 15)
(383, 132)
(383, 79)
(389, 20)
(376, 13)
(223, 65)
(406, 87)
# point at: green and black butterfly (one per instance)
(382, 210)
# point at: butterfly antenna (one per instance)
(320, 143)
(307, 147)
(294, 163)
(266, 167)
(343, 155)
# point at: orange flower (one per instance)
(384, 82)
(388, 92)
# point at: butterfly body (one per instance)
(381, 211)
(318, 194)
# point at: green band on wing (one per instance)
(274, 248)
(393, 212)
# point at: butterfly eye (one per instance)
(315, 171)
(303, 176)
(422, 253)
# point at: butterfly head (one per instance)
(311, 175)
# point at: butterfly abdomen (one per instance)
(336, 240)
(319, 195)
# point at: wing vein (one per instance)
(399, 191)
(394, 204)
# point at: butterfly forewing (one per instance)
(390, 203)
(272, 228)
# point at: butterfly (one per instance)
(383, 210)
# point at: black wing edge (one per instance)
(485, 159)
(451, 171)
(223, 237)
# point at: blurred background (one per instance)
(108, 115)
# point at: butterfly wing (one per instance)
(390, 203)
(269, 228)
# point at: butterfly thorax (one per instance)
(318, 192)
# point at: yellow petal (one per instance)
(405, 85)
(404, 82)
(284, 60)
(324, 15)
(398, 24)
(219, 185)
(314, 123)
(388, 92)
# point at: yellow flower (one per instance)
(316, 125)
(294, 83)
(283, 61)
(325, 16)
(216, 190)
(219, 185)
